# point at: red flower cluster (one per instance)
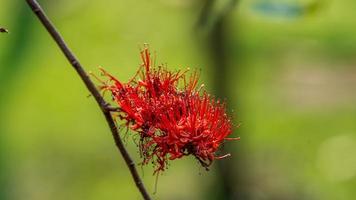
(171, 121)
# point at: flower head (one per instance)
(173, 117)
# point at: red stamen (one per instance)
(171, 121)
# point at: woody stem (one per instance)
(36, 8)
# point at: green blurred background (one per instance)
(287, 69)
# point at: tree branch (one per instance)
(36, 8)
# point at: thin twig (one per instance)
(36, 8)
(113, 109)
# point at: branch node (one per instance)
(74, 62)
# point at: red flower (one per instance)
(171, 121)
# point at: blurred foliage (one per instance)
(295, 86)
